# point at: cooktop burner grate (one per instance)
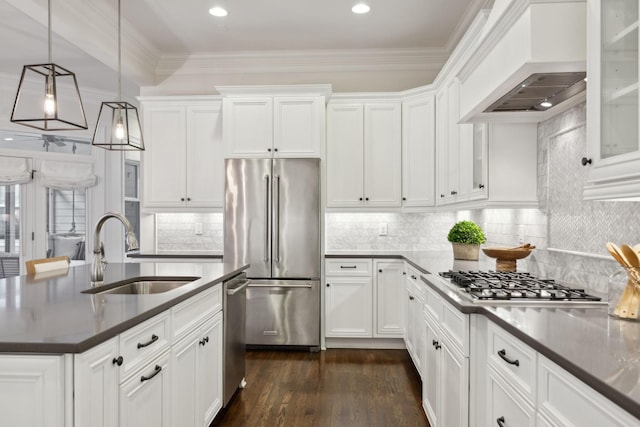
(514, 286)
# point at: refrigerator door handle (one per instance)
(266, 219)
(276, 228)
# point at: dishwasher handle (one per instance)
(235, 290)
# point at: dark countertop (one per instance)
(600, 350)
(176, 254)
(53, 316)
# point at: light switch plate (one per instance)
(198, 228)
(382, 228)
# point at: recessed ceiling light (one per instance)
(546, 104)
(218, 11)
(361, 8)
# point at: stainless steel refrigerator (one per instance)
(272, 222)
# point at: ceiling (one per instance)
(160, 37)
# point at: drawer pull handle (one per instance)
(118, 360)
(348, 266)
(436, 344)
(154, 338)
(157, 370)
(410, 297)
(500, 422)
(503, 355)
(204, 341)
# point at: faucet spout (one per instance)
(99, 263)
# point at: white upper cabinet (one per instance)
(364, 154)
(183, 161)
(612, 101)
(418, 151)
(274, 121)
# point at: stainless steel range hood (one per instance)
(540, 92)
(531, 51)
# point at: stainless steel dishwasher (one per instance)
(234, 306)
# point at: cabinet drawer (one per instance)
(432, 303)
(349, 267)
(140, 343)
(188, 314)
(565, 401)
(413, 280)
(513, 359)
(455, 326)
(505, 408)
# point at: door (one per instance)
(296, 218)
(283, 312)
(247, 215)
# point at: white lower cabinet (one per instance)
(389, 293)
(166, 371)
(145, 398)
(415, 325)
(32, 391)
(445, 379)
(197, 366)
(505, 408)
(521, 387)
(348, 307)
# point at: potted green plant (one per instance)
(466, 238)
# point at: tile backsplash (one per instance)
(569, 233)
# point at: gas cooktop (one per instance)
(515, 287)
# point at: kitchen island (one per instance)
(591, 350)
(72, 358)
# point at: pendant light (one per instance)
(118, 126)
(60, 107)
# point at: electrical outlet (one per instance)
(198, 228)
(382, 229)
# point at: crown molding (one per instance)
(302, 61)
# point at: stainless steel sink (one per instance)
(142, 286)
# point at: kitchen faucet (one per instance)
(99, 263)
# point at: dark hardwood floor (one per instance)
(333, 388)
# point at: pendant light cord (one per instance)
(119, 56)
(49, 24)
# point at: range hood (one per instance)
(532, 52)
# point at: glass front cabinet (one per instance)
(613, 155)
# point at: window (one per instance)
(132, 194)
(9, 230)
(66, 223)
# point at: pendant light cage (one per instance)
(118, 126)
(59, 106)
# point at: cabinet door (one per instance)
(205, 156)
(418, 151)
(612, 100)
(390, 301)
(184, 367)
(345, 155)
(431, 373)
(455, 191)
(248, 126)
(454, 387)
(210, 371)
(478, 161)
(164, 160)
(382, 154)
(298, 126)
(410, 331)
(505, 406)
(96, 386)
(442, 164)
(348, 307)
(145, 399)
(32, 391)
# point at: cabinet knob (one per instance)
(453, 192)
(410, 297)
(404, 198)
(380, 271)
(269, 149)
(481, 186)
(442, 196)
(328, 285)
(188, 199)
(275, 149)
(118, 360)
(585, 161)
(182, 199)
(366, 199)
(404, 273)
(360, 198)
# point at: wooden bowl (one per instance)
(507, 254)
(506, 257)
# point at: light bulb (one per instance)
(49, 99)
(119, 132)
